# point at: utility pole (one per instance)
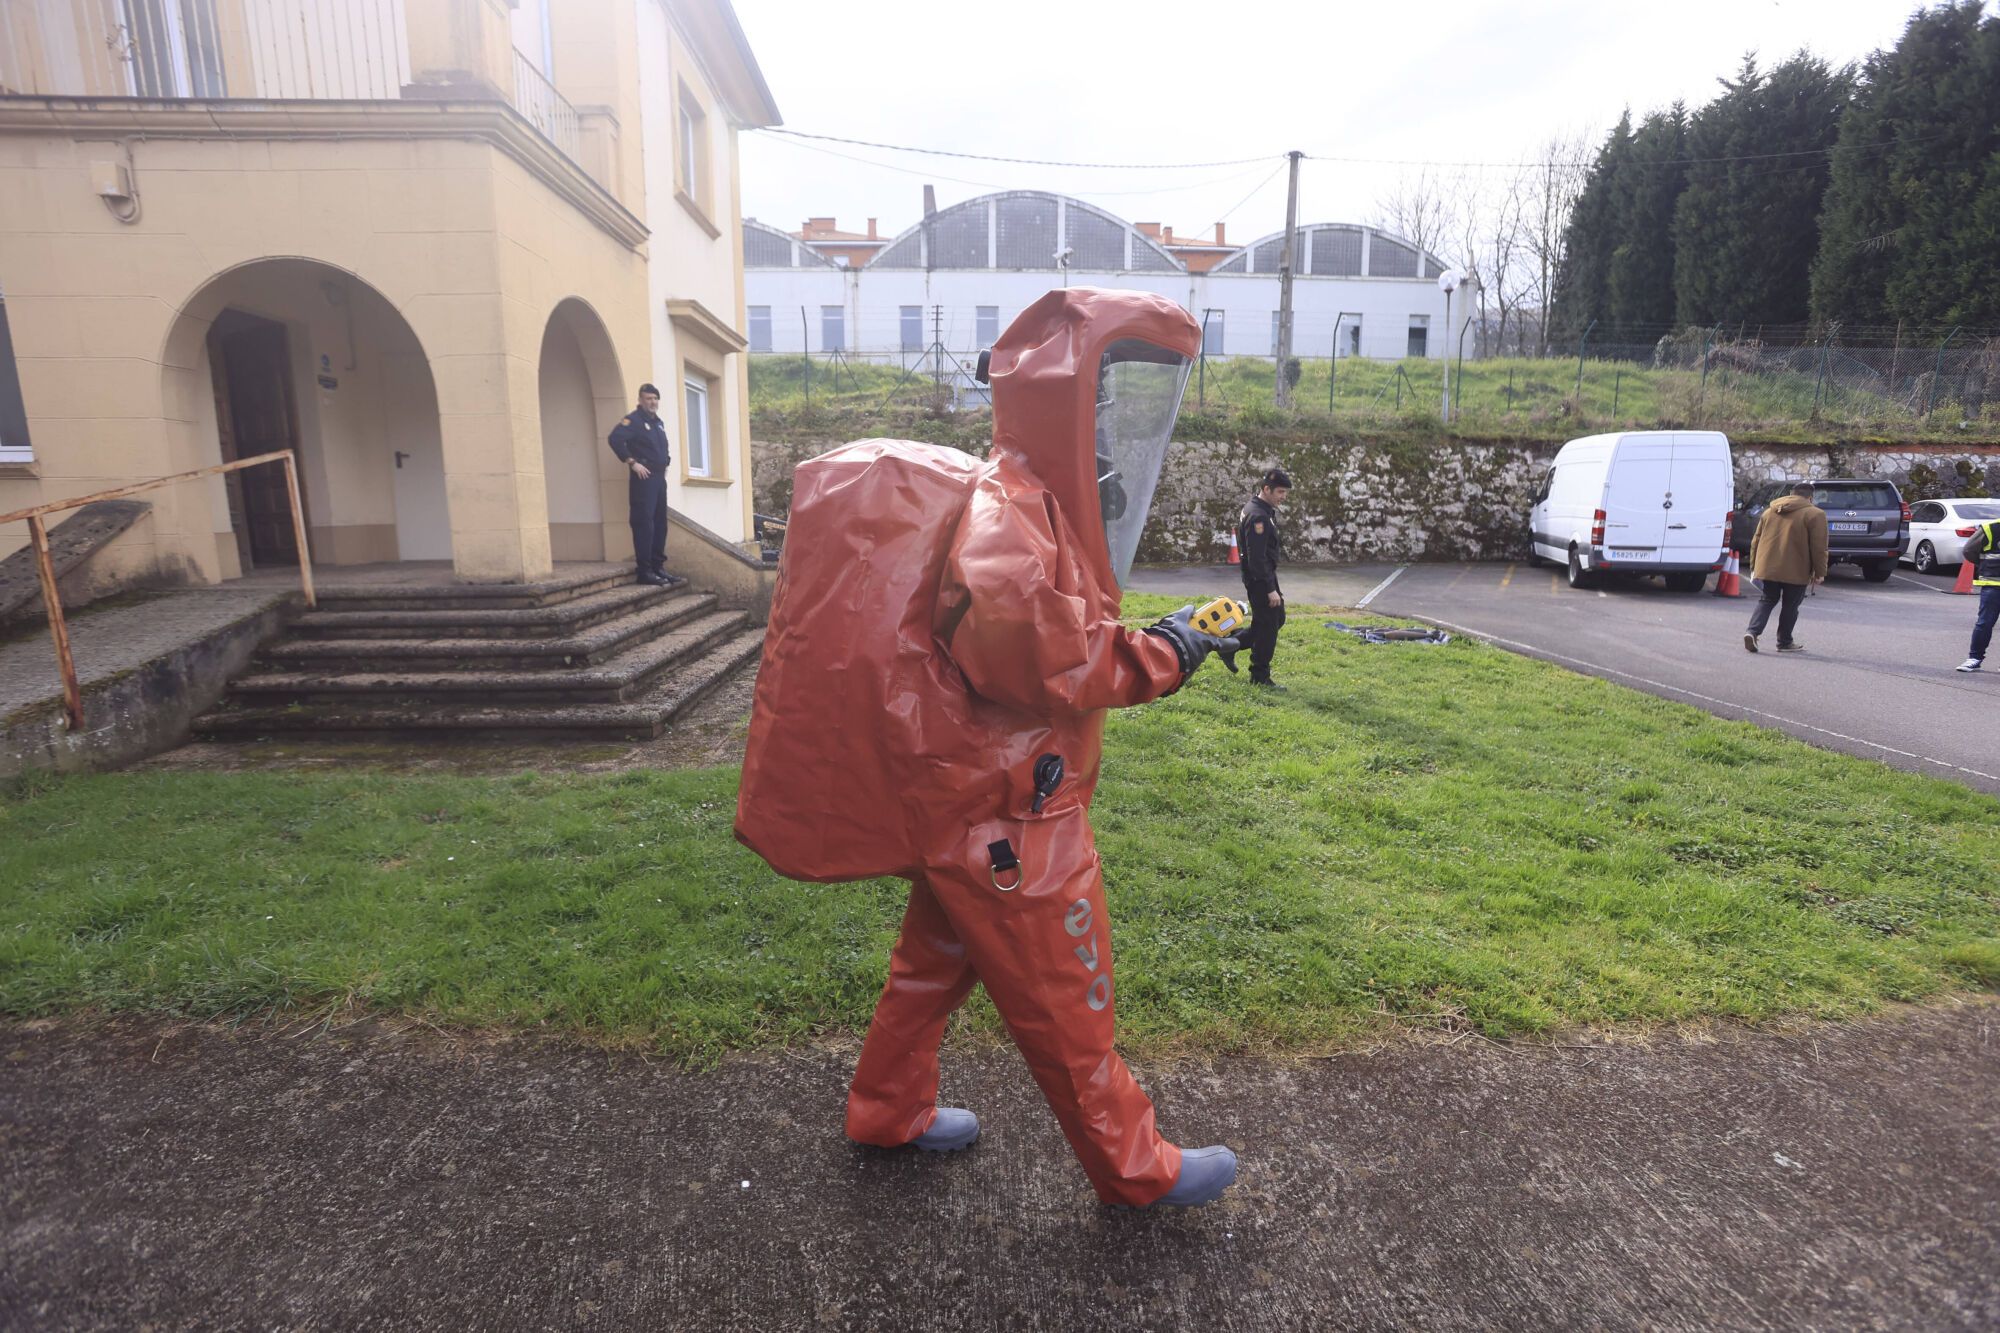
(1285, 265)
(937, 351)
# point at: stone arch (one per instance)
(293, 352)
(582, 397)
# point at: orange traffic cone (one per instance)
(1966, 569)
(1235, 556)
(1729, 580)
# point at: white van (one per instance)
(1638, 502)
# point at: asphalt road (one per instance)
(1839, 1176)
(1877, 678)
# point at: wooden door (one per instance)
(263, 417)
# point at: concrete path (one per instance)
(1840, 1177)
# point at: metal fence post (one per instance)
(1582, 343)
(1819, 379)
(806, 356)
(1617, 387)
(1701, 401)
(1937, 370)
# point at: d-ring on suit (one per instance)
(943, 643)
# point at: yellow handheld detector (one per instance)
(1220, 618)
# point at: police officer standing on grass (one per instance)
(1983, 552)
(1262, 547)
(640, 441)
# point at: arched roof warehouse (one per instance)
(1026, 230)
(1336, 250)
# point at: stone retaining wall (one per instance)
(1407, 500)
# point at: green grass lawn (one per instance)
(1436, 836)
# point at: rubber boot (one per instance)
(1205, 1173)
(952, 1131)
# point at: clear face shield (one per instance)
(1139, 388)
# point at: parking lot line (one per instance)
(1375, 591)
(1657, 685)
(1508, 577)
(1942, 592)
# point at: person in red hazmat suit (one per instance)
(943, 643)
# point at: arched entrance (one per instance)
(581, 399)
(295, 354)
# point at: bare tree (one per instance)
(1549, 187)
(1425, 210)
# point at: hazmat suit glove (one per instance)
(1190, 644)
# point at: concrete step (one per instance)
(617, 680)
(596, 644)
(563, 618)
(643, 718)
(552, 591)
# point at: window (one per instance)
(987, 325)
(832, 329)
(760, 328)
(913, 328)
(1350, 337)
(1420, 335)
(174, 49)
(1981, 513)
(688, 174)
(696, 449)
(13, 412)
(1928, 512)
(1211, 333)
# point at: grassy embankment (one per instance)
(1503, 398)
(1448, 837)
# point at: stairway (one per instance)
(585, 654)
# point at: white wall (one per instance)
(873, 299)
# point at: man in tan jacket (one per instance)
(1787, 555)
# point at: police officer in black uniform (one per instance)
(1261, 546)
(640, 441)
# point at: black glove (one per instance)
(1190, 644)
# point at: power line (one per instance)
(1346, 160)
(1020, 161)
(998, 185)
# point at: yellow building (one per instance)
(432, 245)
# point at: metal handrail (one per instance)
(45, 566)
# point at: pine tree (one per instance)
(1745, 228)
(1639, 297)
(1911, 226)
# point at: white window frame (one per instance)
(907, 317)
(837, 313)
(760, 315)
(693, 120)
(986, 325)
(697, 451)
(12, 450)
(1417, 322)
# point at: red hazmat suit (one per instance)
(939, 625)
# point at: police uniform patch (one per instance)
(626, 422)
(1260, 527)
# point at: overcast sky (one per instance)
(1154, 81)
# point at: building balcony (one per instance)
(147, 59)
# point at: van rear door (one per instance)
(1635, 498)
(1704, 488)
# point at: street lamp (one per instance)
(1449, 281)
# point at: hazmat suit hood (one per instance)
(1086, 385)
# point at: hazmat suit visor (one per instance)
(1139, 390)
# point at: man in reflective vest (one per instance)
(1982, 549)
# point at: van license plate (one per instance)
(1848, 527)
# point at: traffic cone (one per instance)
(1966, 569)
(1235, 556)
(1729, 580)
